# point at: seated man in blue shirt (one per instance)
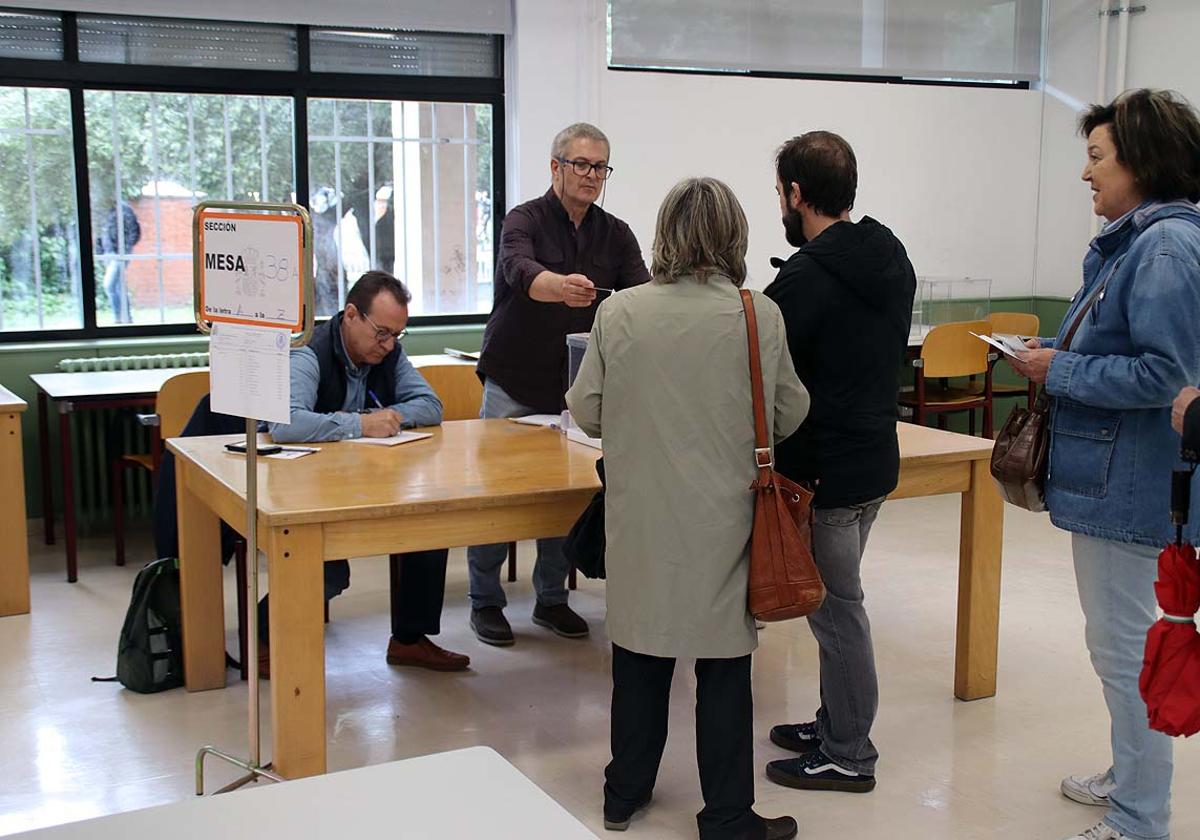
(353, 364)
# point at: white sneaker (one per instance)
(1089, 790)
(1100, 831)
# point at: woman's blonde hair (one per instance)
(701, 231)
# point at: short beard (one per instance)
(793, 228)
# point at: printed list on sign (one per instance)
(250, 372)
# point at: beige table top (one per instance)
(105, 383)
(923, 445)
(467, 464)
(10, 401)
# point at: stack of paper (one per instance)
(403, 437)
(548, 421)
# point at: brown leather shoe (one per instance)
(264, 661)
(425, 654)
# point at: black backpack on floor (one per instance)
(150, 653)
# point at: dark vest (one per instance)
(326, 342)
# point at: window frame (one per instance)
(76, 76)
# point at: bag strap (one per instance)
(762, 448)
(1083, 311)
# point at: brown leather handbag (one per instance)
(784, 581)
(1022, 450)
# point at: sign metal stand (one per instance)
(206, 315)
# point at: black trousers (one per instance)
(724, 739)
(418, 587)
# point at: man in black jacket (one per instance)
(846, 297)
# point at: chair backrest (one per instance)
(458, 387)
(951, 350)
(1014, 323)
(177, 399)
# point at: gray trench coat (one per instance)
(665, 381)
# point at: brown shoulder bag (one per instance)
(784, 582)
(1022, 448)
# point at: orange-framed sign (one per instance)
(250, 269)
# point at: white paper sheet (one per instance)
(249, 372)
(403, 437)
(1005, 343)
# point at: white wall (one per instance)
(952, 170)
(1162, 54)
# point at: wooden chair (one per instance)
(173, 407)
(950, 351)
(1015, 323)
(457, 386)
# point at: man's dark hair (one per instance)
(363, 293)
(1157, 136)
(824, 167)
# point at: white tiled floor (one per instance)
(70, 748)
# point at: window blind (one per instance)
(982, 40)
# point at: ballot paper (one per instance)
(403, 437)
(1012, 345)
(249, 372)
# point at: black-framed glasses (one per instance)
(582, 167)
(382, 335)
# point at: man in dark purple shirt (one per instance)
(560, 255)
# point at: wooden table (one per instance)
(464, 793)
(474, 482)
(72, 392)
(14, 547)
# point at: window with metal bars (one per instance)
(95, 221)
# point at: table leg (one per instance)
(297, 649)
(981, 535)
(47, 482)
(14, 560)
(200, 583)
(68, 485)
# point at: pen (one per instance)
(374, 398)
(300, 448)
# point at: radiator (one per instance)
(99, 436)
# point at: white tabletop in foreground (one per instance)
(462, 794)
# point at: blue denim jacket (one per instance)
(1112, 447)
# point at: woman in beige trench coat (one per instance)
(666, 382)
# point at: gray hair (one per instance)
(701, 231)
(573, 132)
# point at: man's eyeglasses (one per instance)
(382, 335)
(583, 167)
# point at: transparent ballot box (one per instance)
(576, 346)
(942, 300)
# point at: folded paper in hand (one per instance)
(1011, 345)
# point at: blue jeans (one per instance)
(118, 294)
(484, 561)
(1116, 591)
(849, 686)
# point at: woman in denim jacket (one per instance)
(1111, 444)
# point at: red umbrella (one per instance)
(1170, 681)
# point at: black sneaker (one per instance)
(814, 771)
(561, 619)
(620, 822)
(491, 627)
(797, 737)
(780, 828)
